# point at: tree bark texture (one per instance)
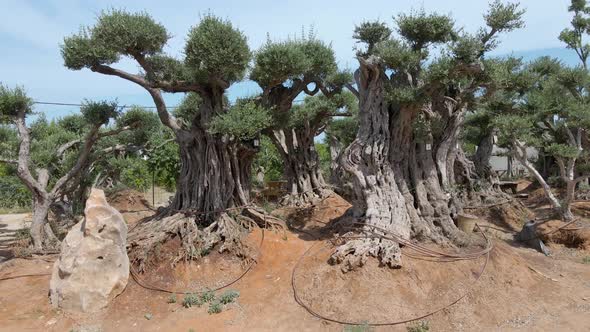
(400, 180)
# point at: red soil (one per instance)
(520, 289)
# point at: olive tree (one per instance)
(404, 158)
(54, 166)
(285, 70)
(551, 115)
(213, 165)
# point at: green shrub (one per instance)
(214, 308)
(586, 260)
(229, 296)
(13, 193)
(421, 326)
(191, 300)
(172, 298)
(207, 296)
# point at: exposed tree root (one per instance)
(354, 253)
(226, 234)
(305, 198)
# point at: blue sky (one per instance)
(31, 31)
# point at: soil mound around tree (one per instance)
(509, 216)
(581, 208)
(575, 235)
(314, 217)
(131, 204)
(128, 200)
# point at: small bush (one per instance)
(421, 326)
(172, 298)
(229, 296)
(586, 260)
(191, 300)
(207, 296)
(214, 308)
(13, 194)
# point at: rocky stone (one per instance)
(93, 266)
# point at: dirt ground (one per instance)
(520, 290)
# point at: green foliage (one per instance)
(214, 308)
(164, 160)
(421, 326)
(580, 26)
(74, 123)
(99, 112)
(216, 49)
(13, 193)
(269, 160)
(318, 110)
(134, 172)
(82, 51)
(143, 122)
(208, 296)
(130, 33)
(586, 260)
(191, 300)
(504, 16)
(188, 109)
(166, 68)
(172, 298)
(12, 101)
(371, 33)
(229, 296)
(244, 120)
(278, 62)
(420, 29)
(325, 159)
(116, 33)
(515, 127)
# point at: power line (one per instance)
(124, 106)
(79, 105)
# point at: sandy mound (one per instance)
(576, 235)
(128, 200)
(131, 204)
(510, 216)
(314, 217)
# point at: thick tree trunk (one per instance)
(305, 182)
(214, 178)
(379, 200)
(339, 178)
(397, 177)
(40, 212)
(483, 155)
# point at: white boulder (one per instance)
(93, 266)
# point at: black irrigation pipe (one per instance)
(451, 257)
(145, 285)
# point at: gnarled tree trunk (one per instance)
(379, 199)
(305, 182)
(395, 176)
(214, 178)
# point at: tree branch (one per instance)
(24, 152)
(166, 118)
(352, 89)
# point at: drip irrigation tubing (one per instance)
(427, 254)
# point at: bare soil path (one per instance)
(9, 224)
